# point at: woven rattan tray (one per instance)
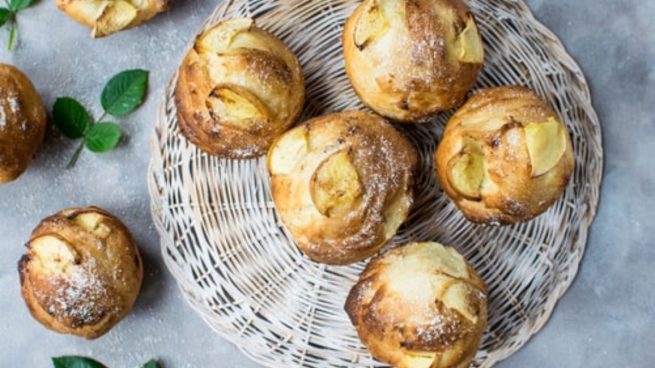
(240, 270)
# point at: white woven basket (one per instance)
(239, 268)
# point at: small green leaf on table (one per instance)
(125, 92)
(5, 15)
(75, 362)
(102, 137)
(151, 364)
(18, 5)
(70, 117)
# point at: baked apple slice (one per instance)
(371, 25)
(335, 185)
(236, 106)
(546, 144)
(466, 172)
(220, 38)
(468, 46)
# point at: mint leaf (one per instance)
(151, 364)
(70, 117)
(124, 92)
(5, 14)
(75, 362)
(17, 5)
(102, 137)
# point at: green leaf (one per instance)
(5, 14)
(75, 362)
(124, 92)
(70, 117)
(102, 137)
(18, 5)
(151, 364)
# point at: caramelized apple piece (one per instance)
(335, 185)
(53, 254)
(116, 16)
(288, 151)
(468, 45)
(467, 171)
(416, 360)
(395, 214)
(92, 222)
(220, 38)
(370, 26)
(455, 298)
(546, 145)
(236, 106)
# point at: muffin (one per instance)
(107, 17)
(82, 272)
(504, 157)
(420, 306)
(239, 88)
(22, 123)
(342, 184)
(410, 60)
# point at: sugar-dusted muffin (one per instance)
(239, 88)
(342, 184)
(420, 305)
(82, 272)
(107, 17)
(410, 59)
(505, 156)
(22, 122)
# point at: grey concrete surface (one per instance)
(607, 319)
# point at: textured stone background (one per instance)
(605, 320)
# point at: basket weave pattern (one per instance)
(238, 267)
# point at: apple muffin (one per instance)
(22, 123)
(410, 60)
(239, 88)
(107, 17)
(82, 272)
(342, 184)
(505, 156)
(420, 305)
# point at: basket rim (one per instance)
(548, 307)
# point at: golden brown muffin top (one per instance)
(239, 88)
(409, 60)
(505, 156)
(82, 272)
(419, 305)
(107, 17)
(342, 184)
(22, 122)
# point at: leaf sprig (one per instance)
(73, 361)
(121, 95)
(8, 15)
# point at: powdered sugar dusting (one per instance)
(3, 118)
(13, 103)
(77, 295)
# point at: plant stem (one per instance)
(12, 31)
(78, 151)
(104, 115)
(76, 155)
